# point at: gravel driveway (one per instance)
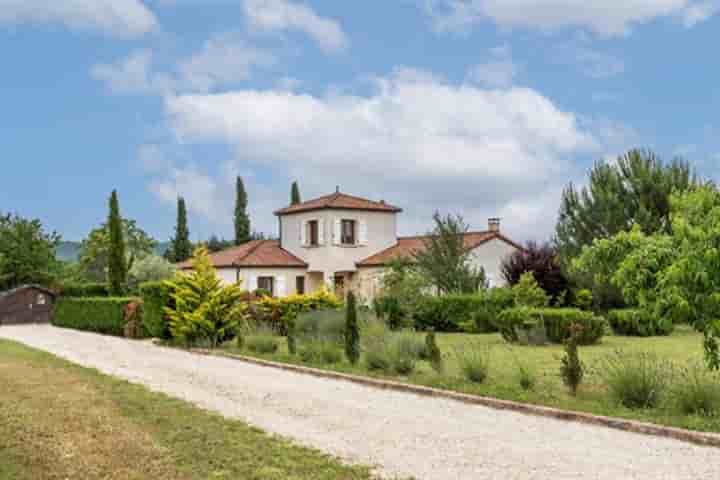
(403, 434)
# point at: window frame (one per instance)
(313, 233)
(300, 285)
(263, 279)
(353, 229)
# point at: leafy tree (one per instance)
(295, 194)
(215, 244)
(633, 191)
(117, 266)
(242, 220)
(527, 292)
(180, 245)
(445, 260)
(27, 252)
(204, 309)
(151, 268)
(543, 262)
(402, 291)
(95, 249)
(352, 330)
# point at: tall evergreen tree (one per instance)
(295, 194)
(352, 331)
(242, 220)
(117, 267)
(181, 246)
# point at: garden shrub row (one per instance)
(156, 296)
(555, 322)
(277, 312)
(475, 313)
(88, 289)
(638, 323)
(104, 315)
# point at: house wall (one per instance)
(248, 278)
(329, 257)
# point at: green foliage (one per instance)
(295, 194)
(27, 252)
(403, 288)
(204, 310)
(556, 322)
(352, 331)
(526, 377)
(447, 313)
(180, 248)
(263, 343)
(527, 292)
(242, 219)
(639, 323)
(432, 352)
(151, 268)
(636, 379)
(493, 302)
(156, 297)
(291, 337)
(697, 391)
(379, 357)
(117, 268)
(572, 369)
(276, 312)
(100, 315)
(474, 363)
(88, 289)
(321, 325)
(321, 351)
(583, 299)
(542, 261)
(445, 259)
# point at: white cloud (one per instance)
(280, 15)
(416, 141)
(200, 191)
(123, 18)
(608, 17)
(592, 62)
(225, 59)
(499, 72)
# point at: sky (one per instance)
(484, 108)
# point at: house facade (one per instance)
(343, 242)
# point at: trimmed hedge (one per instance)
(156, 296)
(556, 321)
(83, 290)
(475, 313)
(638, 323)
(100, 315)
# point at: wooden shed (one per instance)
(26, 304)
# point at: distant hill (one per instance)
(70, 251)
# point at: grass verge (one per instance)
(59, 421)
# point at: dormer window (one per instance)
(313, 233)
(348, 232)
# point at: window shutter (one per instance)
(252, 283)
(321, 231)
(337, 232)
(280, 286)
(303, 233)
(363, 232)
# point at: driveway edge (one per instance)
(698, 438)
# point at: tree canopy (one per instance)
(242, 219)
(180, 245)
(295, 194)
(27, 252)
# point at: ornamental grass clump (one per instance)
(636, 379)
(474, 362)
(265, 344)
(697, 391)
(321, 351)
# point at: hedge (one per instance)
(276, 312)
(101, 315)
(556, 322)
(638, 323)
(463, 312)
(156, 296)
(85, 290)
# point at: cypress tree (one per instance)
(117, 268)
(182, 248)
(432, 351)
(242, 220)
(352, 331)
(295, 194)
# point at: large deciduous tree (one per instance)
(27, 252)
(445, 260)
(242, 219)
(117, 266)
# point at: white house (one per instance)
(344, 242)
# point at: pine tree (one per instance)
(242, 220)
(295, 194)
(181, 246)
(352, 331)
(117, 267)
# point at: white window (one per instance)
(347, 236)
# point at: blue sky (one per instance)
(480, 107)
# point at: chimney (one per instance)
(494, 224)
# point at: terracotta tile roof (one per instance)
(406, 246)
(256, 253)
(339, 200)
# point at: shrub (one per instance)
(526, 377)
(636, 379)
(583, 299)
(638, 323)
(352, 331)
(556, 322)
(572, 369)
(447, 313)
(379, 357)
(697, 391)
(133, 316)
(403, 362)
(432, 352)
(276, 312)
(262, 343)
(89, 289)
(542, 261)
(291, 340)
(321, 351)
(156, 297)
(474, 363)
(321, 324)
(101, 315)
(494, 301)
(528, 293)
(409, 343)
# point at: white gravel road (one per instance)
(403, 434)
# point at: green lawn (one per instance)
(684, 346)
(61, 421)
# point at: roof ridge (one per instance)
(474, 232)
(250, 250)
